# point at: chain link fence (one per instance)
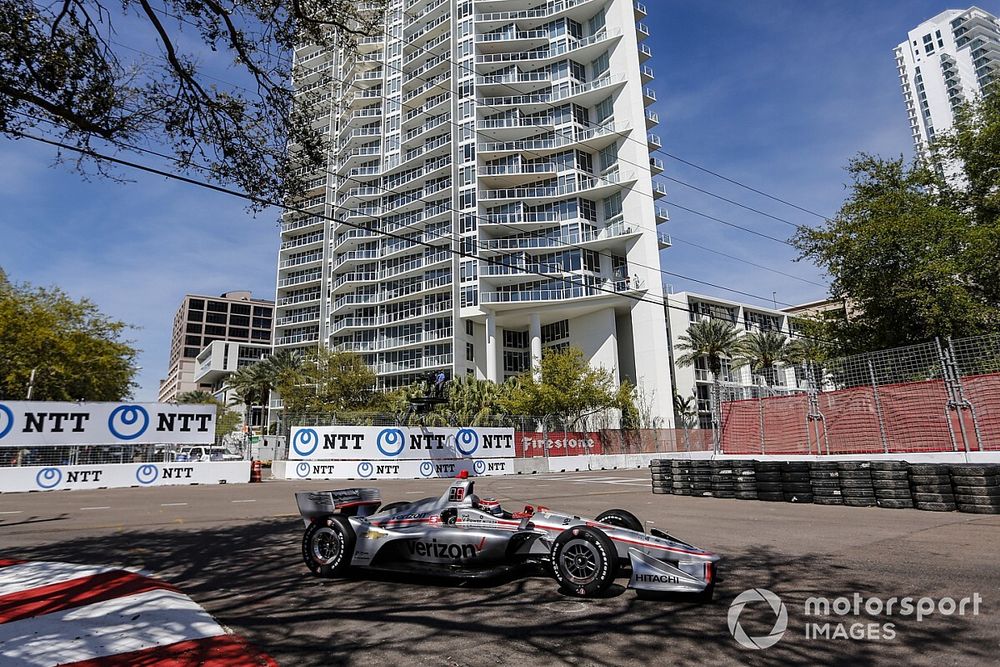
(224, 449)
(935, 397)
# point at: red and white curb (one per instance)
(55, 613)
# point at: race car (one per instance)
(462, 535)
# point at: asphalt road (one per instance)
(235, 550)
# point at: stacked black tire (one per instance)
(977, 488)
(890, 480)
(795, 486)
(681, 477)
(701, 478)
(723, 479)
(744, 480)
(824, 477)
(768, 477)
(662, 473)
(930, 484)
(856, 486)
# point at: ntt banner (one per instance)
(112, 475)
(400, 469)
(374, 443)
(38, 423)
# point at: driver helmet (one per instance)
(490, 505)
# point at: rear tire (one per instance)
(621, 519)
(328, 547)
(584, 561)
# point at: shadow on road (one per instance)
(251, 577)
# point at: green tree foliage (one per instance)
(226, 420)
(475, 402)
(72, 64)
(762, 351)
(686, 411)
(329, 381)
(915, 246)
(77, 351)
(569, 388)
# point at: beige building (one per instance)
(201, 320)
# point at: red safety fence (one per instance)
(895, 418)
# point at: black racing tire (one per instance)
(928, 469)
(795, 478)
(392, 506)
(660, 477)
(825, 483)
(769, 487)
(682, 492)
(824, 474)
(895, 504)
(824, 500)
(963, 499)
(328, 546)
(584, 561)
(622, 519)
(745, 495)
(932, 488)
(723, 493)
(975, 480)
(859, 502)
(890, 484)
(975, 470)
(935, 507)
(934, 497)
(893, 494)
(889, 465)
(929, 479)
(979, 509)
(823, 465)
(991, 491)
(856, 484)
(890, 474)
(768, 476)
(798, 497)
(855, 474)
(857, 493)
(767, 466)
(827, 493)
(771, 496)
(849, 466)
(660, 490)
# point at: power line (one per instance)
(746, 261)
(730, 224)
(735, 203)
(260, 200)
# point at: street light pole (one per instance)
(31, 383)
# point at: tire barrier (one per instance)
(934, 487)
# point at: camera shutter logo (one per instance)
(467, 441)
(6, 420)
(305, 441)
(128, 422)
(303, 469)
(390, 441)
(776, 605)
(426, 468)
(147, 474)
(48, 478)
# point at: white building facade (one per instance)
(496, 155)
(695, 381)
(946, 61)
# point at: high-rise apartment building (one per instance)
(946, 61)
(200, 320)
(488, 194)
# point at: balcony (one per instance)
(297, 339)
(297, 319)
(655, 166)
(659, 190)
(663, 240)
(652, 119)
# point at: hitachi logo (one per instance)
(657, 578)
(436, 549)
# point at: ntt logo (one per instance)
(780, 620)
(390, 441)
(467, 441)
(6, 420)
(305, 441)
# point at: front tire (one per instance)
(621, 519)
(584, 561)
(328, 546)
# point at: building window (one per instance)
(217, 318)
(194, 328)
(469, 327)
(218, 306)
(470, 352)
(516, 339)
(555, 331)
(239, 320)
(211, 330)
(196, 304)
(240, 308)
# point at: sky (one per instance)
(776, 94)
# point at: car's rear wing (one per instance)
(352, 502)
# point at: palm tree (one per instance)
(713, 340)
(761, 351)
(812, 354)
(474, 402)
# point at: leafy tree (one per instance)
(914, 247)
(569, 388)
(475, 402)
(328, 381)
(762, 351)
(686, 411)
(811, 350)
(713, 340)
(77, 352)
(63, 63)
(226, 420)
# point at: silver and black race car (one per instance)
(460, 534)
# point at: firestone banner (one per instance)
(374, 443)
(530, 444)
(50, 423)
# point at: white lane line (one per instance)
(243, 501)
(99, 507)
(413, 493)
(121, 625)
(14, 512)
(172, 504)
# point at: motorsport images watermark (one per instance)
(822, 615)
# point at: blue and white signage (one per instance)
(390, 443)
(392, 469)
(43, 423)
(111, 475)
